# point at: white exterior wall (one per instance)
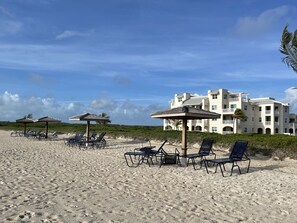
(225, 103)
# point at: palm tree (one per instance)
(105, 122)
(289, 48)
(238, 115)
(175, 122)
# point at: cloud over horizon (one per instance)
(257, 25)
(13, 107)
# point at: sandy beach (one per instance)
(46, 181)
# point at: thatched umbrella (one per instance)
(25, 120)
(47, 119)
(89, 117)
(185, 113)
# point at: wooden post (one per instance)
(88, 131)
(46, 129)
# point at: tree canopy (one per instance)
(289, 48)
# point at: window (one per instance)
(260, 119)
(276, 108)
(245, 107)
(276, 130)
(268, 108)
(275, 119)
(286, 120)
(179, 99)
(233, 105)
(214, 107)
(253, 108)
(225, 96)
(286, 109)
(286, 130)
(214, 96)
(214, 129)
(245, 129)
(225, 106)
(260, 108)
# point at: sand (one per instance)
(46, 181)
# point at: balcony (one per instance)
(227, 121)
(233, 99)
(228, 110)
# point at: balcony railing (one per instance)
(225, 110)
(227, 121)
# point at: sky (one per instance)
(128, 58)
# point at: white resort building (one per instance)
(264, 115)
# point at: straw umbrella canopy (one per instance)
(88, 117)
(47, 119)
(25, 120)
(185, 113)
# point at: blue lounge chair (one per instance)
(237, 154)
(143, 154)
(205, 150)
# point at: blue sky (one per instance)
(129, 57)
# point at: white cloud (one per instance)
(104, 103)
(252, 26)
(5, 12)
(291, 98)
(69, 34)
(13, 106)
(9, 27)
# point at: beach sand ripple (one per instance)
(46, 181)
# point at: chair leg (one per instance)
(233, 165)
(140, 160)
(206, 164)
(222, 169)
(248, 166)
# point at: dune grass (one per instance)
(258, 143)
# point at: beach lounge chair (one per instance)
(135, 158)
(139, 155)
(163, 156)
(204, 150)
(238, 154)
(74, 140)
(98, 143)
(168, 158)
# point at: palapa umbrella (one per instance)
(185, 113)
(88, 117)
(47, 119)
(25, 120)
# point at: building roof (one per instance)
(267, 100)
(194, 101)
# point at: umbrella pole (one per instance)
(46, 129)
(184, 144)
(88, 131)
(25, 130)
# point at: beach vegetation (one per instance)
(258, 143)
